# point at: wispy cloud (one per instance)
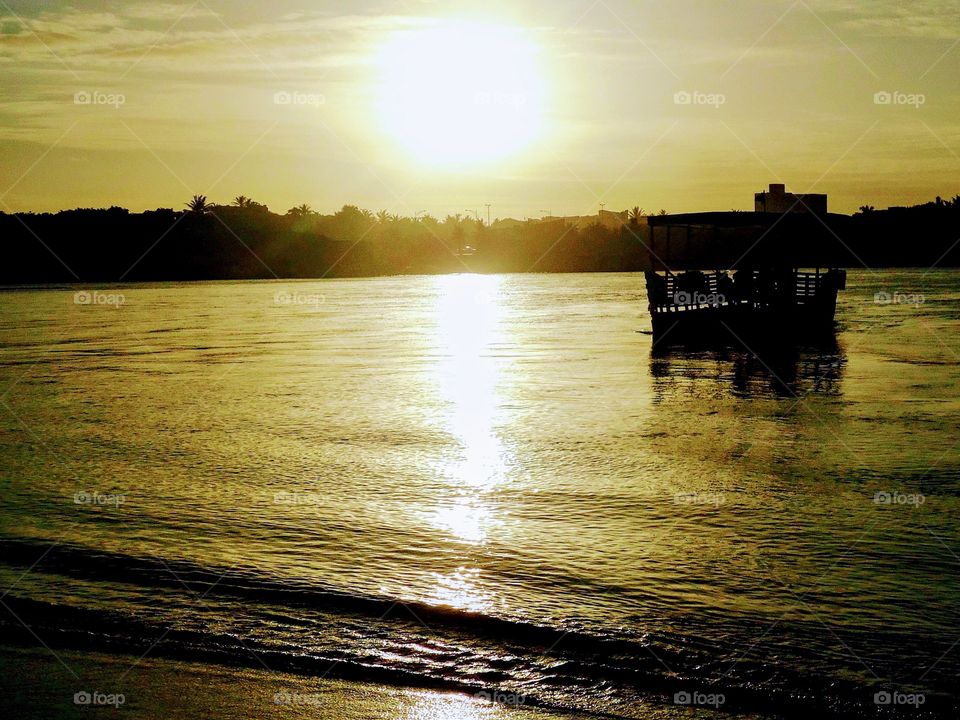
(166, 12)
(97, 41)
(893, 18)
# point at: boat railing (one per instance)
(672, 292)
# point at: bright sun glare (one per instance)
(460, 94)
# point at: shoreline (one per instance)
(38, 685)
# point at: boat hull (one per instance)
(804, 308)
(730, 322)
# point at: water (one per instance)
(489, 483)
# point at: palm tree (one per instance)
(242, 201)
(198, 204)
(300, 211)
(635, 214)
(383, 217)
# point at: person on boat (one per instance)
(725, 287)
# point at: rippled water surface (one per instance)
(486, 482)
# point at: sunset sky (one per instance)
(442, 107)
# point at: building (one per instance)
(778, 200)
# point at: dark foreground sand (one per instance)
(35, 685)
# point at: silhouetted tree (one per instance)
(352, 223)
(198, 204)
(300, 211)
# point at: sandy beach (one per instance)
(35, 685)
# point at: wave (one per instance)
(413, 643)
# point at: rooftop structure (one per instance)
(778, 200)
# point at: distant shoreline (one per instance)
(251, 243)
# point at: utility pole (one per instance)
(602, 205)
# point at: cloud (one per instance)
(169, 12)
(936, 19)
(99, 41)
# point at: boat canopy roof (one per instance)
(747, 240)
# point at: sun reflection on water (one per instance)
(437, 706)
(461, 589)
(467, 519)
(470, 329)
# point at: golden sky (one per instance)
(442, 107)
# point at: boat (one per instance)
(770, 300)
(737, 274)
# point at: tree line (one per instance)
(245, 240)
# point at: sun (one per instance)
(460, 94)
